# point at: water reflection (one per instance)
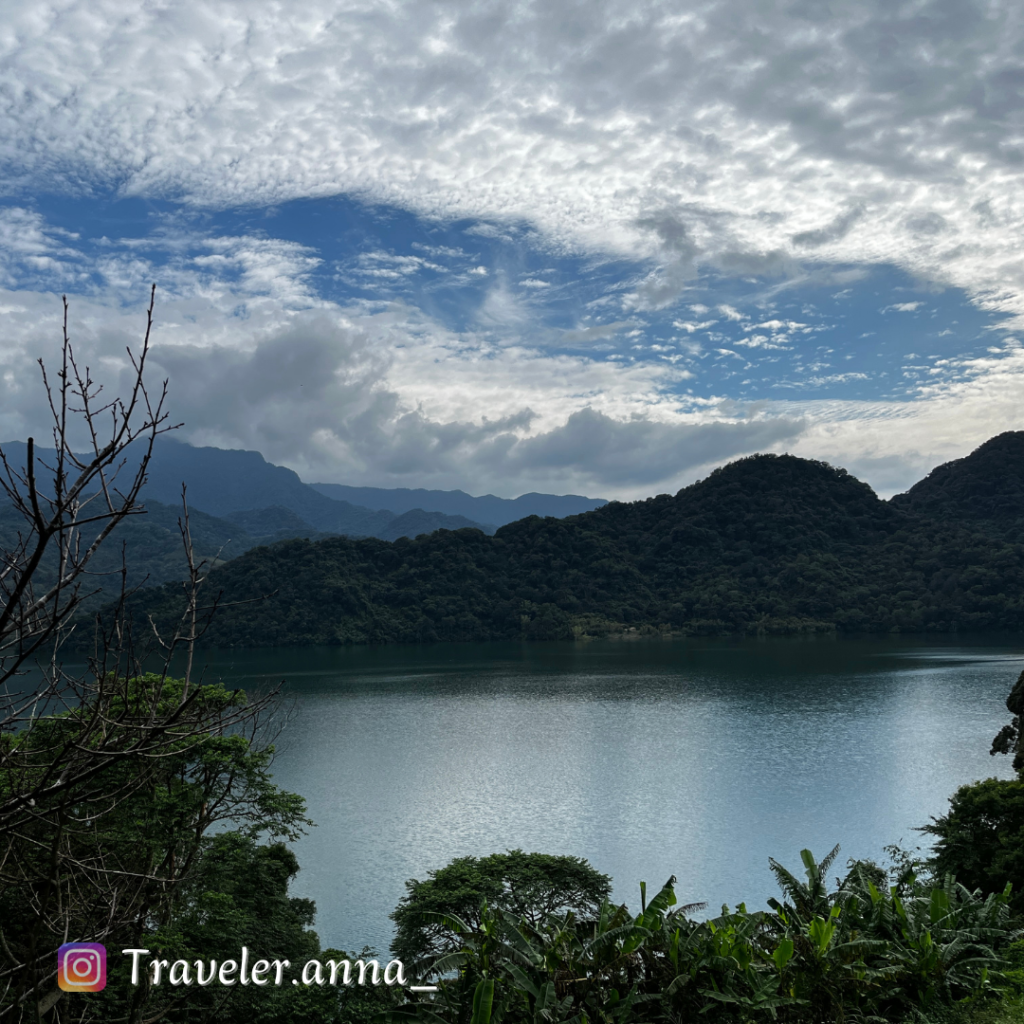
(697, 758)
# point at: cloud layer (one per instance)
(392, 399)
(327, 395)
(787, 142)
(742, 135)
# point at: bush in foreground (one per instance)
(864, 950)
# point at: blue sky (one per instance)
(496, 246)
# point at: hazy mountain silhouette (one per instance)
(484, 509)
(227, 483)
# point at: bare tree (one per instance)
(64, 521)
(79, 750)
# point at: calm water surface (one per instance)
(698, 758)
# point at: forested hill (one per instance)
(766, 544)
(985, 489)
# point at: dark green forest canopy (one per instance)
(986, 488)
(770, 543)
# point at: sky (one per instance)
(595, 248)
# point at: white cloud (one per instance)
(690, 326)
(635, 453)
(596, 332)
(904, 307)
(742, 137)
(371, 394)
(754, 139)
(761, 341)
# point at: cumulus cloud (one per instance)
(679, 252)
(641, 452)
(319, 397)
(383, 397)
(838, 228)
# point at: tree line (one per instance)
(766, 545)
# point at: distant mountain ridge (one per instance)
(228, 483)
(153, 548)
(767, 544)
(487, 508)
(223, 482)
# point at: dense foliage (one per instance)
(862, 950)
(768, 544)
(985, 489)
(530, 885)
(107, 846)
(868, 947)
(236, 896)
(980, 838)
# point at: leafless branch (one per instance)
(79, 747)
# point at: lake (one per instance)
(698, 758)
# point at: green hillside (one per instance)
(767, 544)
(985, 489)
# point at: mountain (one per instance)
(485, 509)
(416, 521)
(152, 546)
(985, 489)
(225, 482)
(221, 481)
(768, 544)
(275, 519)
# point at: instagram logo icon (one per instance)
(82, 967)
